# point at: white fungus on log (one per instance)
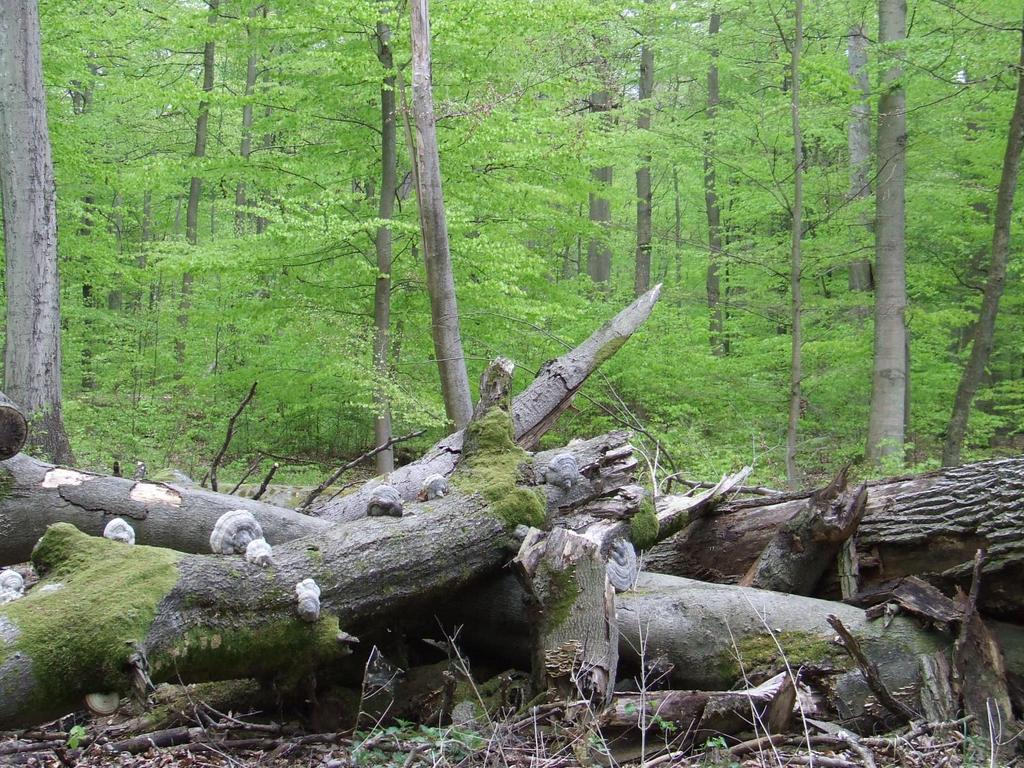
(562, 471)
(102, 703)
(385, 501)
(434, 487)
(233, 532)
(622, 566)
(259, 553)
(308, 595)
(12, 586)
(118, 530)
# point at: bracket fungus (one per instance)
(259, 553)
(12, 586)
(622, 566)
(562, 471)
(385, 501)
(102, 703)
(118, 530)
(434, 487)
(234, 531)
(308, 594)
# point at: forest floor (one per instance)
(529, 743)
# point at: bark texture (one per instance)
(858, 140)
(985, 327)
(444, 311)
(382, 286)
(927, 525)
(886, 428)
(642, 275)
(32, 358)
(719, 345)
(599, 251)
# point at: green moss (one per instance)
(207, 653)
(559, 592)
(760, 652)
(643, 526)
(79, 636)
(6, 483)
(491, 468)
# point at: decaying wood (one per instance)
(913, 596)
(534, 410)
(205, 606)
(806, 545)
(13, 428)
(575, 638)
(162, 514)
(696, 716)
(980, 675)
(926, 525)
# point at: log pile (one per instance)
(673, 621)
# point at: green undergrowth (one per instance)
(97, 598)
(491, 468)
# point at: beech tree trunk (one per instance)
(858, 139)
(444, 310)
(719, 345)
(642, 276)
(795, 268)
(32, 357)
(246, 146)
(984, 329)
(927, 525)
(889, 380)
(382, 286)
(599, 251)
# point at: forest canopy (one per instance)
(544, 117)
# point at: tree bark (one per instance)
(642, 276)
(599, 251)
(795, 268)
(444, 311)
(245, 149)
(719, 344)
(984, 329)
(889, 378)
(382, 287)
(195, 189)
(858, 140)
(927, 525)
(32, 358)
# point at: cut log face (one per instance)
(13, 428)
(576, 639)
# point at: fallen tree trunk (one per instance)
(35, 495)
(534, 410)
(696, 635)
(927, 525)
(104, 609)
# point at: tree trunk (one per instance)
(889, 379)
(32, 359)
(195, 189)
(984, 329)
(858, 139)
(599, 251)
(382, 287)
(719, 345)
(642, 277)
(927, 525)
(795, 268)
(444, 311)
(246, 147)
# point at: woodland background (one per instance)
(164, 330)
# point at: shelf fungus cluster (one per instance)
(562, 471)
(385, 501)
(12, 586)
(233, 532)
(118, 530)
(434, 487)
(307, 593)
